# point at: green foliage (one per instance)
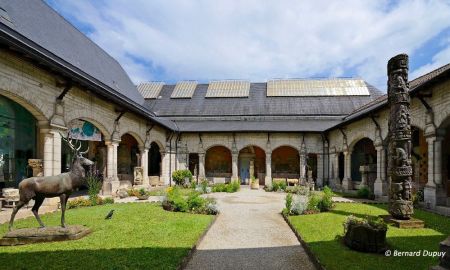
(288, 202)
(204, 184)
(300, 190)
(234, 186)
(268, 188)
(194, 203)
(82, 202)
(314, 201)
(94, 186)
(298, 207)
(364, 193)
(142, 192)
(278, 185)
(180, 176)
(327, 202)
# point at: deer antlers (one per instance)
(76, 149)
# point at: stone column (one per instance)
(165, 170)
(433, 192)
(48, 153)
(144, 165)
(268, 179)
(302, 170)
(234, 165)
(111, 183)
(334, 171)
(56, 152)
(380, 185)
(320, 166)
(347, 182)
(201, 166)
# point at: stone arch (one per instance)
(135, 136)
(28, 105)
(215, 145)
(96, 122)
(159, 143)
(286, 145)
(358, 138)
(218, 162)
(363, 153)
(285, 162)
(252, 163)
(253, 145)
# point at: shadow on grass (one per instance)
(285, 257)
(117, 258)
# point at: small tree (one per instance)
(180, 177)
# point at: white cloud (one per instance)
(256, 40)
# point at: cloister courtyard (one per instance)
(113, 161)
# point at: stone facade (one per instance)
(36, 90)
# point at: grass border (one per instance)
(191, 252)
(305, 246)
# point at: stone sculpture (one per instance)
(400, 169)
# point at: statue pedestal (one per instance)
(47, 234)
(411, 223)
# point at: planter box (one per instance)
(363, 238)
(254, 185)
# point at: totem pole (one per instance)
(400, 169)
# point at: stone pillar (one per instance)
(302, 170)
(320, 166)
(48, 153)
(335, 174)
(201, 166)
(347, 182)
(268, 179)
(234, 165)
(165, 170)
(144, 165)
(433, 192)
(111, 183)
(56, 152)
(380, 185)
(36, 166)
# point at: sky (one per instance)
(257, 40)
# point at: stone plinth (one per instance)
(47, 234)
(138, 175)
(411, 223)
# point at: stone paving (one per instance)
(250, 233)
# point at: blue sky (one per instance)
(258, 40)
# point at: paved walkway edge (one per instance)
(191, 252)
(313, 258)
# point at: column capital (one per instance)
(112, 142)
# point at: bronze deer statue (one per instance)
(39, 188)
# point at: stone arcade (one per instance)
(332, 129)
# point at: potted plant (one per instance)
(143, 194)
(365, 234)
(254, 183)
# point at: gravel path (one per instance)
(250, 233)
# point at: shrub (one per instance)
(94, 186)
(314, 201)
(288, 202)
(204, 185)
(300, 190)
(364, 193)
(193, 203)
(234, 186)
(298, 207)
(219, 187)
(327, 201)
(278, 185)
(82, 202)
(142, 192)
(376, 223)
(180, 176)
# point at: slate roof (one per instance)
(38, 22)
(189, 113)
(256, 104)
(414, 86)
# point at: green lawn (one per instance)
(321, 231)
(139, 236)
